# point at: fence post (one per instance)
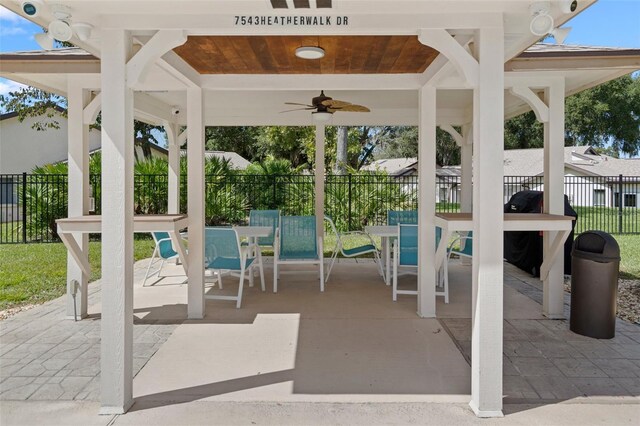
(275, 192)
(620, 200)
(24, 207)
(349, 223)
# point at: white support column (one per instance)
(173, 203)
(553, 285)
(319, 178)
(466, 184)
(195, 180)
(78, 205)
(466, 178)
(427, 204)
(116, 348)
(486, 340)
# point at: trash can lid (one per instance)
(596, 245)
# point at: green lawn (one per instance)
(35, 273)
(630, 254)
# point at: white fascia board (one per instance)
(536, 79)
(575, 64)
(260, 82)
(51, 67)
(360, 24)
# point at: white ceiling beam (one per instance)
(443, 42)
(175, 66)
(534, 80)
(260, 82)
(161, 43)
(152, 108)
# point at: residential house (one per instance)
(406, 170)
(591, 179)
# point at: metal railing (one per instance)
(30, 203)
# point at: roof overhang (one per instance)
(257, 98)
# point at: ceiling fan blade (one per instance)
(334, 103)
(295, 103)
(354, 108)
(298, 109)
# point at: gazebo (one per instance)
(452, 64)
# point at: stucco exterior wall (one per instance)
(23, 148)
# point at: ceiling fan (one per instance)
(325, 106)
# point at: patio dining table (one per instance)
(385, 232)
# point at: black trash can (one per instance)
(594, 284)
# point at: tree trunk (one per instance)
(341, 156)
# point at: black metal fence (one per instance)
(30, 203)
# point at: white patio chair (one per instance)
(352, 252)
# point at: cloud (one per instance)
(9, 16)
(11, 31)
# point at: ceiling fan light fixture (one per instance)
(321, 116)
(541, 21)
(60, 30)
(310, 52)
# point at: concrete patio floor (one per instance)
(290, 353)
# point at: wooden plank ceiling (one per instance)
(276, 54)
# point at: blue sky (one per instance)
(607, 23)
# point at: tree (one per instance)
(239, 139)
(523, 131)
(296, 144)
(32, 102)
(340, 167)
(606, 116)
(399, 142)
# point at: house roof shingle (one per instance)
(530, 162)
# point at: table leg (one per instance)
(387, 259)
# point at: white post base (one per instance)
(110, 411)
(485, 414)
